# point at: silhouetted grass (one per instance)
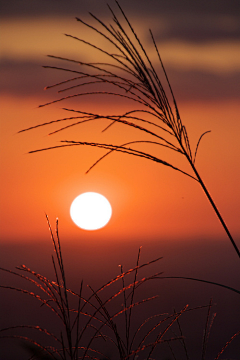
(129, 74)
(91, 319)
(88, 320)
(102, 321)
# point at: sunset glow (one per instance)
(120, 150)
(90, 211)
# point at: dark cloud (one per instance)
(192, 21)
(29, 79)
(199, 85)
(21, 8)
(63, 7)
(22, 78)
(196, 21)
(201, 28)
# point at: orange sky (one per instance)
(148, 200)
(153, 206)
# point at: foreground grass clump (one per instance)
(105, 322)
(90, 320)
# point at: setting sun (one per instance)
(90, 211)
(119, 148)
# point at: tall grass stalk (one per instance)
(129, 74)
(84, 320)
(102, 317)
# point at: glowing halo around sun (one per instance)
(90, 211)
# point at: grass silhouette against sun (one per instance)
(129, 74)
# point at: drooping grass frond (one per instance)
(119, 148)
(128, 74)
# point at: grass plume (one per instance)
(129, 73)
(93, 317)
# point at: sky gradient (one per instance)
(200, 50)
(153, 205)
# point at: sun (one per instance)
(90, 211)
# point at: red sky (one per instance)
(152, 205)
(147, 199)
